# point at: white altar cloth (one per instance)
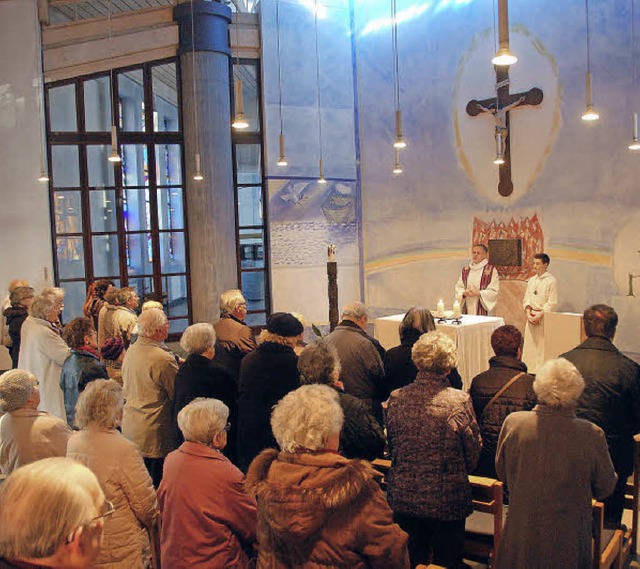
(472, 338)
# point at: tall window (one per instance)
(125, 221)
(253, 269)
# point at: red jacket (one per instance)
(207, 519)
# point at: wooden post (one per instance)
(332, 276)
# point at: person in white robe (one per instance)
(478, 286)
(541, 297)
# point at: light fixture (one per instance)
(635, 143)
(397, 165)
(239, 120)
(499, 159)
(321, 178)
(590, 113)
(399, 141)
(114, 156)
(503, 57)
(282, 161)
(197, 175)
(44, 176)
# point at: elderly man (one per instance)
(504, 388)
(106, 314)
(234, 337)
(26, 434)
(478, 286)
(360, 356)
(611, 397)
(51, 515)
(124, 318)
(148, 373)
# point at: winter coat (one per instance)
(361, 435)
(611, 396)
(518, 397)
(27, 435)
(93, 310)
(125, 322)
(148, 373)
(553, 465)
(117, 464)
(15, 317)
(105, 323)
(43, 353)
(234, 340)
(266, 375)
(435, 443)
(399, 369)
(208, 521)
(321, 510)
(79, 369)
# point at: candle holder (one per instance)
(441, 320)
(457, 321)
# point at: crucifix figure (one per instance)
(500, 107)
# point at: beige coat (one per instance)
(105, 323)
(126, 484)
(148, 374)
(125, 322)
(27, 435)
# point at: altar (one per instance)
(472, 338)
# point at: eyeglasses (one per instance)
(227, 428)
(108, 511)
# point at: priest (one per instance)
(478, 285)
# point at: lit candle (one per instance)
(440, 308)
(456, 309)
(331, 251)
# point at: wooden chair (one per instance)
(382, 465)
(632, 491)
(483, 528)
(607, 544)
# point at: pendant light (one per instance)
(397, 165)
(114, 156)
(635, 143)
(321, 178)
(399, 141)
(282, 161)
(44, 175)
(590, 113)
(239, 120)
(197, 175)
(503, 57)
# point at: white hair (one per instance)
(230, 299)
(44, 502)
(434, 351)
(54, 291)
(355, 310)
(304, 418)
(197, 338)
(558, 383)
(42, 305)
(100, 404)
(151, 321)
(203, 419)
(16, 386)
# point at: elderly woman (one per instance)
(26, 434)
(207, 518)
(399, 369)
(435, 443)
(553, 465)
(361, 435)
(105, 316)
(119, 467)
(266, 375)
(57, 294)
(20, 298)
(198, 376)
(51, 515)
(95, 299)
(317, 508)
(43, 351)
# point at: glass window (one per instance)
(176, 288)
(251, 248)
(259, 319)
(170, 212)
(105, 255)
(131, 100)
(168, 165)
(143, 286)
(250, 206)
(75, 293)
(172, 252)
(70, 255)
(97, 104)
(249, 76)
(136, 210)
(139, 254)
(68, 212)
(135, 164)
(253, 289)
(178, 326)
(62, 108)
(99, 168)
(165, 98)
(248, 166)
(103, 210)
(66, 166)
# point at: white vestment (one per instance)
(541, 296)
(488, 296)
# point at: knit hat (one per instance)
(112, 348)
(284, 324)
(16, 386)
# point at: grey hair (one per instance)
(558, 383)
(56, 292)
(44, 502)
(197, 338)
(304, 418)
(19, 294)
(355, 310)
(318, 363)
(230, 299)
(151, 321)
(100, 404)
(42, 305)
(125, 294)
(203, 419)
(434, 351)
(16, 386)
(152, 304)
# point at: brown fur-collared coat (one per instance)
(321, 511)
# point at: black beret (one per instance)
(284, 324)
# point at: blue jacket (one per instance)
(79, 369)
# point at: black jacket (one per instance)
(611, 397)
(15, 315)
(361, 435)
(266, 375)
(518, 397)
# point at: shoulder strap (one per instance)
(504, 388)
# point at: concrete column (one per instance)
(211, 202)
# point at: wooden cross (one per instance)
(500, 106)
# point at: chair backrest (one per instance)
(382, 465)
(631, 499)
(607, 544)
(487, 495)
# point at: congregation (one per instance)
(255, 452)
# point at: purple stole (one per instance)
(485, 279)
